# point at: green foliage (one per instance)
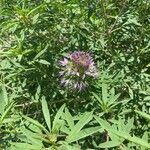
(122, 132)
(36, 112)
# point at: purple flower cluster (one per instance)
(76, 69)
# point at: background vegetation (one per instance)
(36, 113)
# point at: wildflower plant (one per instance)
(76, 70)
(102, 103)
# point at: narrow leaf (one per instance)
(69, 118)
(44, 62)
(121, 134)
(3, 98)
(143, 114)
(5, 113)
(36, 123)
(109, 144)
(113, 98)
(104, 92)
(86, 117)
(25, 146)
(84, 133)
(46, 113)
(57, 117)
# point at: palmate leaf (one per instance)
(85, 118)
(109, 99)
(105, 125)
(122, 124)
(84, 133)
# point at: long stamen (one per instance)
(76, 68)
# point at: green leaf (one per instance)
(5, 113)
(84, 133)
(97, 97)
(112, 99)
(66, 146)
(64, 129)
(68, 118)
(3, 98)
(36, 9)
(37, 94)
(129, 125)
(35, 18)
(36, 123)
(145, 136)
(25, 146)
(44, 62)
(85, 118)
(103, 123)
(31, 136)
(41, 52)
(46, 113)
(143, 114)
(56, 121)
(121, 134)
(109, 144)
(104, 92)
